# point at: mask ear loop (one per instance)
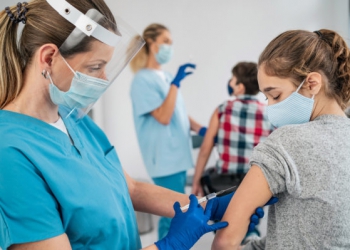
(68, 65)
(301, 84)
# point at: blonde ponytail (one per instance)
(149, 34)
(140, 59)
(11, 76)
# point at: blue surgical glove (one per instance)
(202, 131)
(181, 73)
(186, 228)
(220, 204)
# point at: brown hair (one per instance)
(149, 34)
(295, 53)
(247, 74)
(41, 28)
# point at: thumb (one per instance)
(177, 208)
(217, 226)
(188, 73)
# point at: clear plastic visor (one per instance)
(93, 56)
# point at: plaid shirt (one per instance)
(243, 124)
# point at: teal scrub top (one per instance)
(49, 187)
(166, 149)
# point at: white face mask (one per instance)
(295, 109)
(84, 90)
(165, 53)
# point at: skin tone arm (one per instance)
(164, 113)
(240, 209)
(204, 153)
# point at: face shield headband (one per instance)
(96, 52)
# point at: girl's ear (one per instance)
(313, 83)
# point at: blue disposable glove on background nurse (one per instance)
(181, 73)
(187, 227)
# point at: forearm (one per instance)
(157, 200)
(202, 160)
(164, 113)
(195, 126)
(151, 247)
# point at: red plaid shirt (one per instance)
(243, 124)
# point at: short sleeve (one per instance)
(256, 244)
(28, 210)
(277, 164)
(146, 93)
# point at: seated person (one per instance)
(239, 125)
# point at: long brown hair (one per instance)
(149, 34)
(43, 25)
(295, 53)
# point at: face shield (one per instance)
(95, 53)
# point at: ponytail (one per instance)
(341, 55)
(11, 76)
(140, 59)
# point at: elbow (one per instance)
(164, 120)
(224, 243)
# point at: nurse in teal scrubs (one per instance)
(161, 121)
(61, 182)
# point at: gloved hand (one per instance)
(181, 73)
(202, 131)
(220, 204)
(186, 228)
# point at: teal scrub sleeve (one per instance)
(146, 93)
(28, 210)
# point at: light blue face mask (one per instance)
(295, 109)
(84, 90)
(165, 53)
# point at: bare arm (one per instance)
(56, 243)
(204, 153)
(195, 126)
(153, 199)
(240, 209)
(164, 113)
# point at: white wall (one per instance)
(216, 34)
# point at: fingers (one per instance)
(259, 212)
(208, 208)
(251, 227)
(188, 73)
(217, 226)
(193, 203)
(189, 65)
(254, 219)
(177, 207)
(273, 200)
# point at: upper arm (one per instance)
(146, 95)
(253, 192)
(211, 133)
(28, 210)
(131, 183)
(60, 242)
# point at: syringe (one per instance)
(211, 196)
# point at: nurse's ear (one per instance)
(313, 83)
(47, 55)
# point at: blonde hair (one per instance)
(149, 34)
(295, 53)
(43, 25)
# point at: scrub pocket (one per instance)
(114, 166)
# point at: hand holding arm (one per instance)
(186, 228)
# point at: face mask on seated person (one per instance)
(295, 109)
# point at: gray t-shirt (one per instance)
(307, 167)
